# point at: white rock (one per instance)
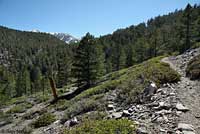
(153, 85)
(188, 132)
(117, 115)
(185, 127)
(172, 94)
(57, 122)
(180, 107)
(126, 113)
(141, 130)
(161, 104)
(110, 106)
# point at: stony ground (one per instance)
(188, 90)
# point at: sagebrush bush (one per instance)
(140, 75)
(83, 106)
(193, 68)
(112, 126)
(44, 120)
(20, 108)
(6, 118)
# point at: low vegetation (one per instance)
(127, 82)
(122, 126)
(44, 120)
(20, 108)
(5, 118)
(193, 68)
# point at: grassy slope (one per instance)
(91, 104)
(127, 82)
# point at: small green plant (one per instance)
(44, 120)
(33, 114)
(81, 107)
(5, 118)
(122, 126)
(61, 105)
(20, 108)
(93, 115)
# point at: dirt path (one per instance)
(188, 91)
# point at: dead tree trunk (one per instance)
(53, 88)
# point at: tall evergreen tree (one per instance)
(84, 66)
(186, 28)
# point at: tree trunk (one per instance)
(53, 88)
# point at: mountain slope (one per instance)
(119, 89)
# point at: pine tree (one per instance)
(85, 62)
(100, 66)
(186, 29)
(118, 58)
(64, 68)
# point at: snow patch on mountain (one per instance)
(67, 38)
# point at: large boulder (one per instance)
(150, 89)
(148, 92)
(71, 122)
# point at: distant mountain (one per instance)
(62, 36)
(65, 37)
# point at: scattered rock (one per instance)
(185, 127)
(117, 115)
(180, 107)
(111, 106)
(150, 90)
(126, 113)
(188, 132)
(141, 130)
(57, 122)
(71, 122)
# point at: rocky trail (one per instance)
(172, 109)
(188, 91)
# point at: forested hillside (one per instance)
(28, 59)
(132, 81)
(168, 34)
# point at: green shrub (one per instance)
(27, 130)
(5, 118)
(44, 120)
(122, 126)
(33, 114)
(93, 115)
(83, 106)
(139, 76)
(61, 105)
(20, 108)
(193, 68)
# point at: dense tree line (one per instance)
(168, 34)
(29, 59)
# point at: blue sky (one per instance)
(76, 17)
